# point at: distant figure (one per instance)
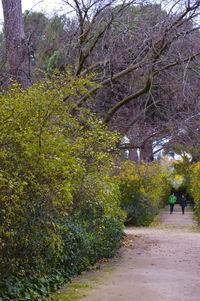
(172, 201)
(183, 203)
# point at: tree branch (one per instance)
(126, 100)
(106, 82)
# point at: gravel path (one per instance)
(159, 263)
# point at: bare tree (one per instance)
(142, 54)
(138, 62)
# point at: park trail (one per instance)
(156, 263)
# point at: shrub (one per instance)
(144, 189)
(194, 187)
(58, 202)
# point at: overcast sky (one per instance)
(47, 6)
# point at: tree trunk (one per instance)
(133, 155)
(146, 152)
(16, 45)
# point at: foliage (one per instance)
(144, 189)
(59, 206)
(182, 167)
(82, 247)
(46, 41)
(177, 181)
(182, 177)
(195, 187)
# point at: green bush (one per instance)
(193, 187)
(82, 247)
(144, 189)
(59, 206)
(140, 212)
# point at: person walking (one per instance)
(183, 203)
(172, 201)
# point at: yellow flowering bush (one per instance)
(59, 205)
(144, 189)
(195, 186)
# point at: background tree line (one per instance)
(145, 55)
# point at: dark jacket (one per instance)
(183, 202)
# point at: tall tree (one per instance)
(143, 56)
(16, 45)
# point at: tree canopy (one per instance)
(145, 57)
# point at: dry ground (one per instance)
(159, 263)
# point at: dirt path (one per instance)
(160, 263)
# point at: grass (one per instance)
(82, 285)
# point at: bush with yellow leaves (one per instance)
(59, 205)
(194, 186)
(144, 189)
